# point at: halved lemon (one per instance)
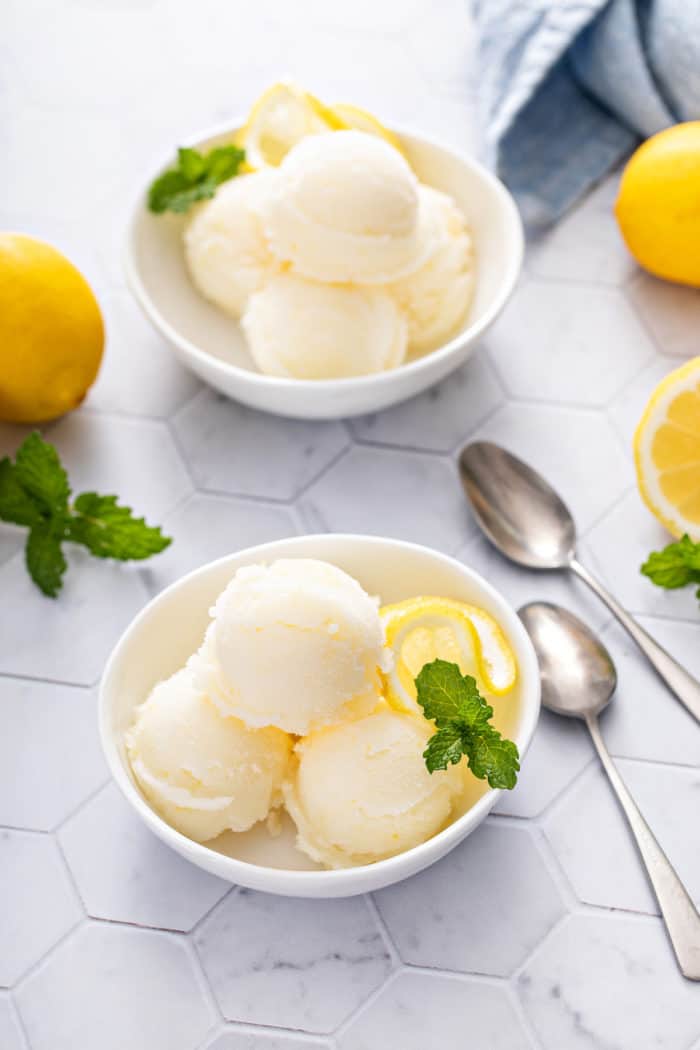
(420, 630)
(667, 451)
(361, 120)
(281, 117)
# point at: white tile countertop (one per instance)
(539, 932)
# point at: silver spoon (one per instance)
(527, 520)
(578, 679)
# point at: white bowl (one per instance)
(213, 345)
(170, 628)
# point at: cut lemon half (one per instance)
(281, 117)
(359, 119)
(424, 629)
(667, 451)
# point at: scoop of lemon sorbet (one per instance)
(360, 791)
(296, 644)
(204, 773)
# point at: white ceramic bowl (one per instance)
(170, 628)
(213, 345)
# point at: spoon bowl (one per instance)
(577, 672)
(518, 510)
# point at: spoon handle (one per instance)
(684, 686)
(678, 911)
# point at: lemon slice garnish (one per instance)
(361, 120)
(281, 117)
(423, 629)
(667, 451)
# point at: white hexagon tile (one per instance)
(539, 932)
(288, 954)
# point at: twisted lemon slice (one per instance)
(281, 117)
(423, 629)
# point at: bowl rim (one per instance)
(317, 882)
(375, 380)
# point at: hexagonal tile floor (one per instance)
(537, 933)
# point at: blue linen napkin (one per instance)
(568, 87)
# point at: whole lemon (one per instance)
(658, 206)
(51, 332)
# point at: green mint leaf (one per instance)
(195, 177)
(44, 557)
(444, 748)
(442, 690)
(40, 473)
(463, 719)
(492, 758)
(16, 505)
(676, 565)
(109, 530)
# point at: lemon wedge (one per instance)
(281, 117)
(359, 119)
(667, 451)
(423, 629)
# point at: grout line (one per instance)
(344, 451)
(57, 828)
(392, 950)
(554, 803)
(205, 987)
(525, 1023)
(27, 974)
(203, 918)
(555, 868)
(363, 1007)
(14, 1010)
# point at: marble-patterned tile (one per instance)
(451, 75)
(140, 375)
(123, 872)
(599, 982)
(582, 343)
(71, 185)
(574, 449)
(559, 752)
(116, 987)
(625, 410)
(231, 448)
(468, 912)
(39, 904)
(77, 629)
(208, 527)
(274, 960)
(670, 311)
(585, 245)
(610, 873)
(645, 720)
(239, 1040)
(387, 492)
(521, 586)
(440, 418)
(42, 724)
(621, 542)
(11, 1037)
(134, 458)
(419, 1010)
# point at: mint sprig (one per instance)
(195, 177)
(35, 493)
(463, 720)
(677, 565)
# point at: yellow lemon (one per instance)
(658, 206)
(51, 332)
(420, 630)
(281, 117)
(667, 451)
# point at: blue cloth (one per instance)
(568, 87)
